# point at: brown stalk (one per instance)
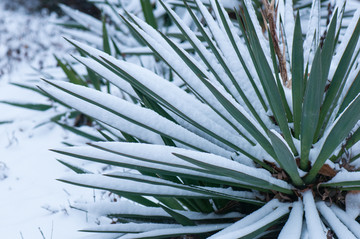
(270, 16)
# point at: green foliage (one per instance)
(274, 120)
(251, 135)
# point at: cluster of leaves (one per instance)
(257, 126)
(258, 132)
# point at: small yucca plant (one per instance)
(262, 142)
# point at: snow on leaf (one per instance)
(336, 225)
(348, 218)
(130, 227)
(128, 117)
(264, 222)
(160, 233)
(312, 34)
(149, 158)
(292, 227)
(235, 169)
(249, 219)
(313, 221)
(125, 208)
(352, 202)
(129, 186)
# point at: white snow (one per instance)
(148, 156)
(31, 200)
(127, 208)
(179, 231)
(238, 233)
(312, 34)
(131, 227)
(352, 202)
(221, 162)
(116, 112)
(129, 186)
(336, 225)
(313, 221)
(292, 227)
(339, 51)
(344, 176)
(347, 219)
(249, 219)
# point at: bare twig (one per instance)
(270, 16)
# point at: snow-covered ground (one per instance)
(32, 203)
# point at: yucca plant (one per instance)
(263, 142)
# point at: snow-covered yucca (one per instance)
(261, 143)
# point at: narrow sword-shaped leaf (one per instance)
(174, 232)
(39, 107)
(129, 227)
(311, 109)
(279, 84)
(352, 92)
(126, 209)
(80, 132)
(149, 13)
(328, 47)
(338, 131)
(237, 171)
(216, 192)
(297, 71)
(162, 165)
(179, 218)
(129, 187)
(269, 84)
(75, 168)
(285, 158)
(338, 81)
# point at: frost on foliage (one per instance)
(130, 118)
(249, 219)
(184, 106)
(126, 208)
(200, 144)
(130, 186)
(134, 155)
(245, 228)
